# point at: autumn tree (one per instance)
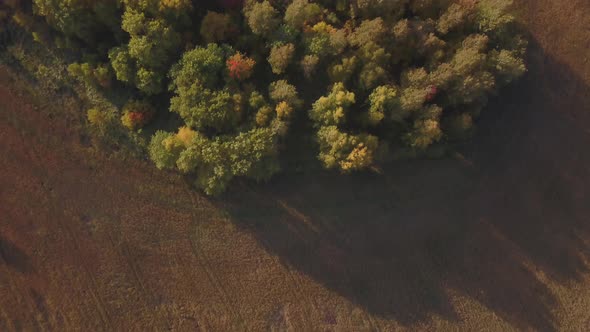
(136, 114)
(240, 67)
(216, 27)
(352, 79)
(302, 12)
(280, 57)
(262, 18)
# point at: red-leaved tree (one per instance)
(240, 67)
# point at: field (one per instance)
(497, 238)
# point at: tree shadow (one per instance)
(15, 258)
(492, 227)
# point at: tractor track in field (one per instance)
(123, 250)
(102, 308)
(531, 179)
(297, 289)
(204, 263)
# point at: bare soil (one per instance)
(496, 239)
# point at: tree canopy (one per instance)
(366, 79)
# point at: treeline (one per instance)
(366, 79)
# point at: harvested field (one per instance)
(495, 239)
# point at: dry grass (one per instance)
(496, 241)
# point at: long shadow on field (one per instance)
(14, 257)
(491, 228)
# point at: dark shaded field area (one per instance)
(497, 238)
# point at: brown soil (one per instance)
(496, 240)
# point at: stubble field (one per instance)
(497, 238)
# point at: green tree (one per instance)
(165, 149)
(203, 108)
(385, 103)
(87, 21)
(332, 109)
(202, 65)
(494, 15)
(144, 61)
(217, 161)
(283, 91)
(344, 151)
(507, 65)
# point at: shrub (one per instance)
(136, 114)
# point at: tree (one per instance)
(165, 149)
(331, 110)
(136, 114)
(507, 65)
(240, 67)
(493, 15)
(284, 110)
(85, 21)
(144, 61)
(264, 116)
(372, 8)
(343, 71)
(455, 17)
(203, 108)
(385, 104)
(173, 11)
(96, 75)
(202, 65)
(262, 18)
(217, 161)
(406, 74)
(280, 57)
(309, 65)
(370, 31)
(301, 12)
(426, 130)
(216, 27)
(345, 151)
(283, 91)
(323, 40)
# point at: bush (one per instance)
(136, 114)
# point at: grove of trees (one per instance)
(366, 79)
